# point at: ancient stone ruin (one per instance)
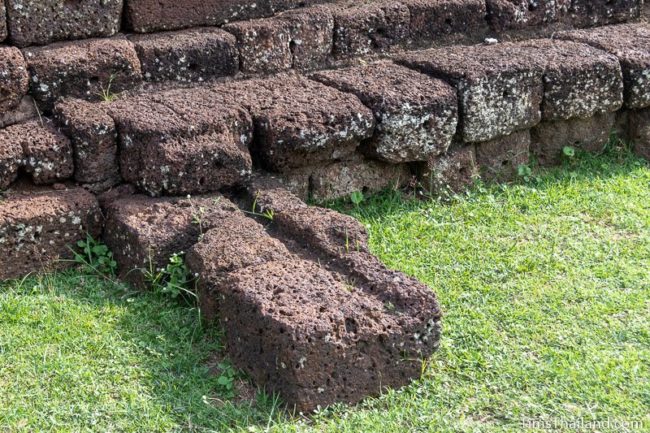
(201, 127)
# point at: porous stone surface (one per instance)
(504, 15)
(639, 130)
(94, 137)
(590, 134)
(192, 55)
(300, 122)
(25, 111)
(312, 36)
(47, 153)
(630, 43)
(145, 232)
(432, 19)
(37, 228)
(11, 158)
(451, 172)
(92, 69)
(361, 29)
(3, 22)
(40, 22)
(14, 78)
(146, 16)
(263, 45)
(182, 141)
(500, 159)
(499, 90)
(590, 13)
(416, 115)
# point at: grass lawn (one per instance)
(546, 291)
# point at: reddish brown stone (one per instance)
(11, 158)
(40, 22)
(431, 19)
(189, 55)
(311, 36)
(264, 45)
(94, 138)
(519, 14)
(499, 159)
(639, 132)
(416, 115)
(93, 69)
(590, 13)
(452, 172)
(47, 152)
(38, 229)
(630, 43)
(26, 110)
(590, 134)
(14, 79)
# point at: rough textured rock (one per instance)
(500, 159)
(312, 36)
(94, 138)
(47, 152)
(145, 16)
(370, 27)
(639, 131)
(590, 13)
(299, 122)
(630, 43)
(590, 134)
(144, 232)
(416, 115)
(26, 110)
(189, 55)
(431, 19)
(3, 22)
(519, 14)
(11, 158)
(92, 69)
(14, 79)
(499, 91)
(451, 172)
(38, 228)
(40, 22)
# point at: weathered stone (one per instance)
(284, 5)
(14, 79)
(499, 90)
(264, 45)
(299, 122)
(416, 115)
(311, 36)
(11, 158)
(451, 172)
(590, 13)
(3, 22)
(519, 14)
(39, 228)
(188, 55)
(26, 110)
(144, 232)
(639, 124)
(590, 134)
(371, 27)
(499, 159)
(94, 138)
(47, 152)
(431, 19)
(146, 16)
(40, 22)
(630, 43)
(93, 69)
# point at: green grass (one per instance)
(546, 292)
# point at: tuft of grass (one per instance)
(545, 286)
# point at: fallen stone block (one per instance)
(499, 90)
(26, 110)
(639, 127)
(548, 139)
(147, 16)
(452, 172)
(191, 55)
(40, 22)
(11, 159)
(591, 13)
(506, 15)
(499, 159)
(145, 232)
(630, 43)
(47, 153)
(39, 229)
(299, 122)
(95, 69)
(368, 28)
(416, 115)
(432, 19)
(94, 137)
(14, 79)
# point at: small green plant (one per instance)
(95, 256)
(106, 94)
(173, 280)
(269, 214)
(569, 152)
(226, 380)
(357, 198)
